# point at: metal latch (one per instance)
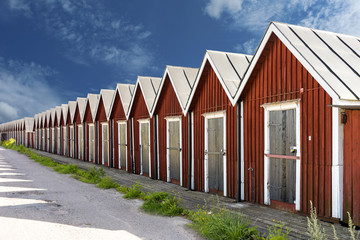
(293, 149)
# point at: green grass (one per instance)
(135, 192)
(66, 169)
(107, 183)
(222, 224)
(122, 189)
(93, 175)
(162, 203)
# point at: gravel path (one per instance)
(38, 203)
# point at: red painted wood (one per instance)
(167, 106)
(211, 97)
(101, 118)
(352, 166)
(279, 76)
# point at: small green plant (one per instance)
(45, 161)
(122, 189)
(221, 224)
(93, 175)
(278, 232)
(66, 169)
(162, 203)
(107, 183)
(352, 229)
(135, 192)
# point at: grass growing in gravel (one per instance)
(135, 192)
(93, 175)
(162, 203)
(107, 183)
(66, 169)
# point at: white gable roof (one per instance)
(58, 114)
(81, 103)
(47, 116)
(149, 87)
(332, 59)
(72, 108)
(52, 114)
(125, 92)
(182, 80)
(65, 109)
(106, 95)
(93, 100)
(229, 68)
(29, 124)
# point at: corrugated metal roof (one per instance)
(58, 114)
(72, 108)
(81, 103)
(52, 113)
(332, 59)
(126, 92)
(93, 100)
(65, 109)
(107, 96)
(182, 80)
(149, 87)
(29, 124)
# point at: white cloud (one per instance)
(92, 34)
(254, 16)
(24, 90)
(247, 47)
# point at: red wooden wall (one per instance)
(117, 114)
(87, 120)
(168, 105)
(139, 111)
(279, 76)
(352, 166)
(68, 124)
(77, 121)
(101, 117)
(211, 97)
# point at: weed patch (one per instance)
(123, 189)
(66, 169)
(162, 203)
(93, 175)
(107, 183)
(135, 192)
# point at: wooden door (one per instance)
(144, 147)
(105, 145)
(81, 142)
(91, 143)
(174, 151)
(282, 136)
(214, 151)
(122, 145)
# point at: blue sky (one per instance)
(53, 51)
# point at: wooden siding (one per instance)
(168, 105)
(87, 120)
(101, 117)
(279, 76)
(352, 166)
(211, 97)
(77, 121)
(117, 114)
(138, 112)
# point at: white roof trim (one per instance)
(105, 93)
(131, 88)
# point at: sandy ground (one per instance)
(38, 203)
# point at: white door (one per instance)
(105, 144)
(145, 167)
(174, 158)
(65, 141)
(215, 153)
(80, 142)
(58, 140)
(72, 145)
(122, 145)
(91, 143)
(52, 140)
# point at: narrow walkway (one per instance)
(259, 215)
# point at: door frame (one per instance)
(207, 116)
(168, 120)
(119, 151)
(72, 143)
(80, 139)
(142, 121)
(91, 137)
(279, 106)
(102, 143)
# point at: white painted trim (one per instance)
(119, 142)
(53, 140)
(206, 161)
(71, 150)
(157, 146)
(242, 156)
(102, 142)
(144, 121)
(168, 120)
(58, 140)
(64, 140)
(192, 153)
(133, 142)
(279, 106)
(47, 139)
(337, 168)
